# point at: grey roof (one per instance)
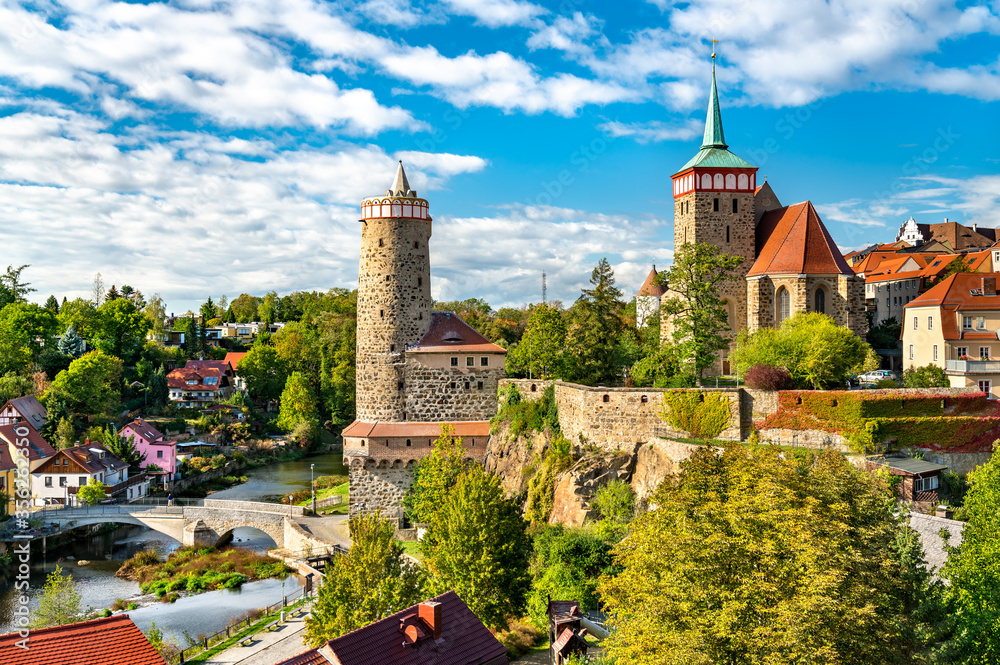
(929, 528)
(31, 410)
(909, 465)
(400, 187)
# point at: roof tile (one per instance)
(113, 640)
(793, 240)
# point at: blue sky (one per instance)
(198, 148)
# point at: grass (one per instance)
(230, 641)
(412, 547)
(522, 638)
(325, 493)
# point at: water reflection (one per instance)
(270, 483)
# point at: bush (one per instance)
(928, 376)
(218, 461)
(768, 377)
(703, 415)
(526, 415)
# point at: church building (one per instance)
(790, 262)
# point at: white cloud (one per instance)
(645, 132)
(399, 13)
(567, 34)
(497, 13)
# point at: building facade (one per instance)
(417, 370)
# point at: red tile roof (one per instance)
(234, 358)
(107, 641)
(413, 429)
(464, 641)
(955, 292)
(179, 378)
(448, 333)
(6, 461)
(87, 455)
(793, 240)
(31, 410)
(650, 287)
(220, 365)
(38, 448)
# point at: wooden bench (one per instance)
(246, 640)
(271, 625)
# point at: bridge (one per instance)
(205, 522)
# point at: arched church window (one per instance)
(820, 299)
(706, 181)
(743, 182)
(730, 181)
(784, 304)
(718, 181)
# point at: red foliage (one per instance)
(768, 377)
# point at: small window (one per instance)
(380, 243)
(479, 385)
(467, 385)
(362, 442)
(470, 361)
(451, 385)
(420, 281)
(967, 322)
(534, 388)
(48, 481)
(935, 353)
(736, 206)
(715, 205)
(644, 399)
(407, 442)
(981, 322)
(961, 351)
(62, 481)
(392, 348)
(930, 323)
(915, 325)
(484, 361)
(159, 454)
(984, 352)
(911, 352)
(416, 245)
(399, 386)
(454, 362)
(727, 233)
(388, 278)
(83, 480)
(381, 313)
(606, 399)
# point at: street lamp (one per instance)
(312, 485)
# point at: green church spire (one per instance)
(714, 138)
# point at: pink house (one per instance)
(150, 441)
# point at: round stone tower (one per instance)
(394, 296)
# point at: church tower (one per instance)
(714, 204)
(394, 296)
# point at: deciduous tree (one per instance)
(90, 385)
(82, 316)
(478, 546)
(122, 328)
(39, 324)
(298, 403)
(92, 493)
(540, 352)
(373, 580)
(435, 476)
(59, 603)
(264, 371)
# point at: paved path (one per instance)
(274, 646)
(332, 529)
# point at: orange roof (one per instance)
(404, 429)
(108, 641)
(38, 448)
(234, 358)
(793, 240)
(956, 293)
(909, 274)
(650, 287)
(448, 333)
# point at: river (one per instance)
(193, 615)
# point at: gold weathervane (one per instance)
(714, 42)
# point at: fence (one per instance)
(236, 627)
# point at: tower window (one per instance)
(470, 361)
(454, 362)
(420, 316)
(466, 385)
(388, 278)
(416, 245)
(392, 348)
(399, 385)
(380, 243)
(605, 399)
(715, 205)
(381, 313)
(736, 206)
(727, 233)
(408, 442)
(479, 385)
(420, 281)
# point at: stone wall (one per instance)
(455, 393)
(379, 486)
(251, 506)
(394, 306)
(231, 468)
(960, 463)
(531, 389)
(807, 438)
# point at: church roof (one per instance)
(714, 150)
(650, 287)
(793, 240)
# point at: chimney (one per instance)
(945, 220)
(989, 286)
(430, 613)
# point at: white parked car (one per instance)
(877, 375)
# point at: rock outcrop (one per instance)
(575, 488)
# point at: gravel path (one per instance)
(274, 646)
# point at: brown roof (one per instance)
(6, 461)
(31, 410)
(145, 430)
(221, 365)
(108, 641)
(957, 235)
(464, 640)
(650, 287)
(449, 333)
(38, 448)
(793, 240)
(179, 378)
(88, 455)
(413, 429)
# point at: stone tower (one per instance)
(394, 296)
(714, 204)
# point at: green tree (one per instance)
(264, 371)
(14, 385)
(92, 493)
(12, 282)
(90, 385)
(123, 448)
(122, 328)
(51, 361)
(52, 304)
(695, 309)
(658, 368)
(478, 546)
(928, 376)
(71, 344)
(566, 564)
(885, 335)
(245, 308)
(267, 309)
(82, 316)
(540, 352)
(37, 323)
(373, 580)
(756, 556)
(298, 403)
(159, 390)
(596, 325)
(65, 434)
(816, 351)
(156, 311)
(973, 569)
(207, 310)
(434, 476)
(59, 603)
(16, 345)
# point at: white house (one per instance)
(60, 477)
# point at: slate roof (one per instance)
(31, 410)
(113, 640)
(650, 287)
(448, 333)
(38, 448)
(145, 430)
(464, 641)
(908, 465)
(415, 429)
(793, 240)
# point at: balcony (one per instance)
(972, 366)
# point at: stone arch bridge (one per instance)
(192, 522)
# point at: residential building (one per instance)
(435, 632)
(21, 438)
(234, 358)
(151, 442)
(194, 387)
(956, 236)
(921, 479)
(113, 640)
(954, 326)
(8, 477)
(26, 410)
(58, 479)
